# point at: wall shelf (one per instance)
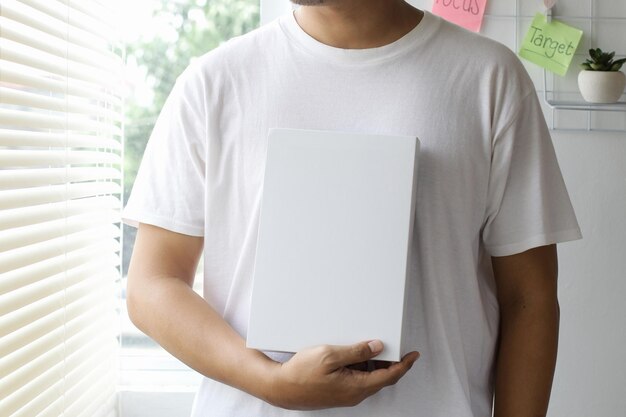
(577, 103)
(566, 107)
(572, 105)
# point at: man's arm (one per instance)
(529, 325)
(161, 303)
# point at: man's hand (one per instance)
(319, 377)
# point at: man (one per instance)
(491, 206)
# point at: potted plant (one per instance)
(600, 80)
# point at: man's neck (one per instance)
(358, 24)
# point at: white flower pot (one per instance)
(601, 86)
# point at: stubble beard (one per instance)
(308, 2)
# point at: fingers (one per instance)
(370, 365)
(339, 356)
(380, 378)
(380, 365)
(361, 366)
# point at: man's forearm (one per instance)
(170, 312)
(526, 357)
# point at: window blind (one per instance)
(60, 183)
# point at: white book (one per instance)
(332, 257)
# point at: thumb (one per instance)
(359, 352)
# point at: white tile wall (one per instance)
(611, 35)
(501, 8)
(570, 7)
(499, 28)
(610, 8)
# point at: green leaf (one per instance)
(586, 66)
(619, 61)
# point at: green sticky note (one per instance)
(550, 45)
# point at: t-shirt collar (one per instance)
(413, 39)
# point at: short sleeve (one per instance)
(169, 189)
(527, 203)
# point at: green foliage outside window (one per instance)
(190, 29)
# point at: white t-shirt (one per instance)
(489, 185)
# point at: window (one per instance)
(163, 38)
(60, 187)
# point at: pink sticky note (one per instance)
(466, 13)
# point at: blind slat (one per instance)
(94, 9)
(65, 344)
(57, 104)
(27, 119)
(21, 257)
(34, 18)
(12, 384)
(23, 388)
(24, 138)
(36, 271)
(12, 400)
(25, 178)
(92, 400)
(36, 233)
(40, 195)
(35, 158)
(13, 73)
(73, 16)
(26, 55)
(40, 328)
(30, 294)
(32, 351)
(38, 309)
(83, 374)
(35, 38)
(38, 214)
(49, 403)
